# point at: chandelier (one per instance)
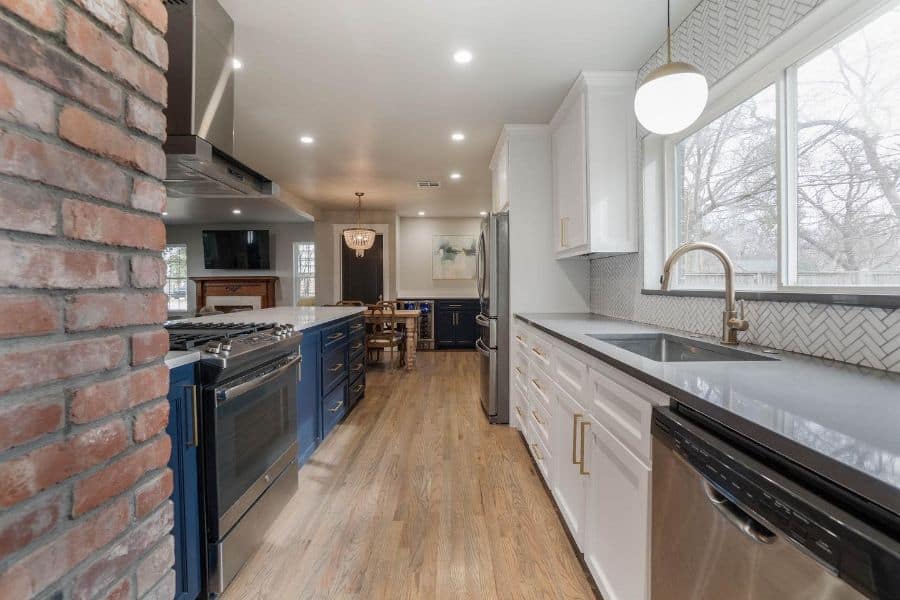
(359, 238)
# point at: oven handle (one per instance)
(242, 388)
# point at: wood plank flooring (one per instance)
(416, 496)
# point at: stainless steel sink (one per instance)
(662, 347)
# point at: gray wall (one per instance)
(281, 237)
(718, 37)
(414, 260)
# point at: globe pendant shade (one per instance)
(671, 99)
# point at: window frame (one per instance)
(295, 275)
(187, 303)
(775, 65)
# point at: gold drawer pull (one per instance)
(336, 336)
(358, 368)
(520, 371)
(535, 383)
(537, 418)
(575, 418)
(537, 351)
(359, 387)
(584, 424)
(337, 407)
(357, 346)
(537, 453)
(519, 337)
(519, 410)
(336, 367)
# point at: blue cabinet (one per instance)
(332, 380)
(183, 429)
(455, 323)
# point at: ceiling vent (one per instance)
(427, 184)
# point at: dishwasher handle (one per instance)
(745, 523)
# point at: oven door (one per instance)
(254, 438)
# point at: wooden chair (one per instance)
(384, 334)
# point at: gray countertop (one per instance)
(301, 317)
(838, 420)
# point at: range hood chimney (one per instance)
(200, 115)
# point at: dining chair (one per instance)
(384, 334)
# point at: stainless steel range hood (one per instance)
(201, 107)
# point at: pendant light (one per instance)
(359, 238)
(672, 96)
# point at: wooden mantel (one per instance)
(261, 288)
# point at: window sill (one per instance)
(888, 301)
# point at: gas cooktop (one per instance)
(190, 336)
(234, 345)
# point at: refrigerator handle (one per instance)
(480, 319)
(480, 266)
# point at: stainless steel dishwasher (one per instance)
(728, 526)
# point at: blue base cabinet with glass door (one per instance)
(183, 429)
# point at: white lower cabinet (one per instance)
(570, 479)
(617, 523)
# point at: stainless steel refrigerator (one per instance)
(493, 318)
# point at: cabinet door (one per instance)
(570, 177)
(183, 429)
(617, 532)
(466, 329)
(569, 482)
(444, 329)
(308, 417)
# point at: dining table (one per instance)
(410, 318)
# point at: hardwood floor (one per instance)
(416, 496)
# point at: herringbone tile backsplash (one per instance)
(717, 37)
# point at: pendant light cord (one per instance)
(669, 28)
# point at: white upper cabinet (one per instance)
(500, 175)
(593, 149)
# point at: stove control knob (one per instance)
(226, 347)
(214, 347)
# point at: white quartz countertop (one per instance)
(301, 317)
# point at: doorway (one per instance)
(362, 278)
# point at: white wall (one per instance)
(414, 260)
(281, 237)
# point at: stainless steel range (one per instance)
(248, 376)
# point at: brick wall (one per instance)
(84, 487)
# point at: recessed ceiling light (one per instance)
(483, 213)
(455, 175)
(462, 56)
(236, 64)
(307, 139)
(458, 136)
(421, 213)
(236, 211)
(165, 214)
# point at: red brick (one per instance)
(120, 591)
(148, 346)
(27, 208)
(145, 117)
(121, 475)
(25, 53)
(98, 47)
(85, 312)
(29, 420)
(51, 362)
(104, 398)
(20, 528)
(26, 104)
(106, 225)
(113, 563)
(151, 494)
(148, 272)
(28, 315)
(34, 471)
(148, 384)
(25, 265)
(54, 165)
(109, 12)
(153, 11)
(99, 399)
(34, 573)
(148, 195)
(43, 14)
(157, 564)
(149, 43)
(107, 140)
(150, 421)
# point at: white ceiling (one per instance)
(374, 82)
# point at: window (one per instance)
(175, 257)
(830, 217)
(304, 270)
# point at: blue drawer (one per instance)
(356, 327)
(357, 366)
(334, 367)
(334, 335)
(334, 408)
(357, 346)
(357, 390)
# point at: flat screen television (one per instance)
(236, 249)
